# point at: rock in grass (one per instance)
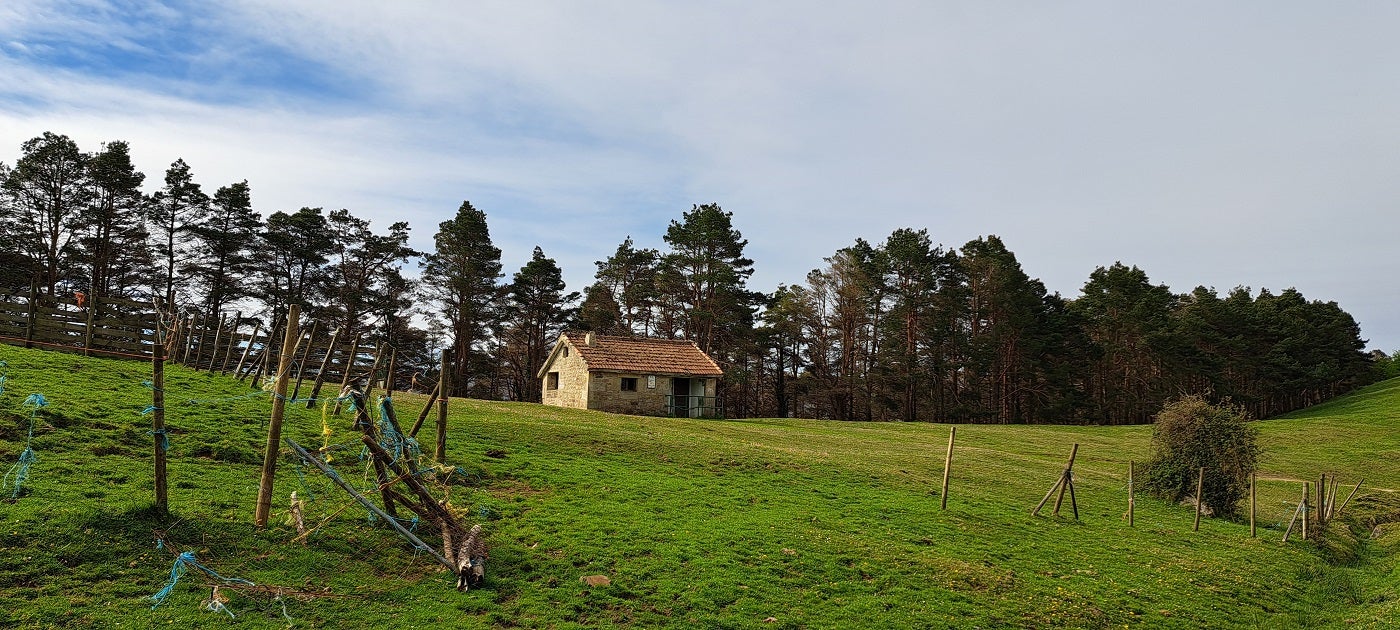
(595, 580)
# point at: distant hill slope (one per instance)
(695, 523)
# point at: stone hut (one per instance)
(634, 375)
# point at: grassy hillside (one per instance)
(697, 523)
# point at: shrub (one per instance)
(1190, 434)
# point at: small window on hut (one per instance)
(566, 351)
(551, 381)
(629, 384)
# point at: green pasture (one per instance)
(765, 523)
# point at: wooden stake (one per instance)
(232, 343)
(1132, 502)
(445, 381)
(349, 367)
(1200, 481)
(321, 372)
(32, 319)
(366, 424)
(1253, 502)
(1331, 497)
(1059, 484)
(1349, 496)
(373, 371)
(274, 428)
(214, 348)
(305, 355)
(1068, 484)
(251, 339)
(158, 419)
(389, 375)
(87, 332)
(428, 408)
(1320, 507)
(947, 466)
(1296, 511)
(1305, 510)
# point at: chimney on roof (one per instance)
(588, 339)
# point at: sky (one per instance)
(1211, 144)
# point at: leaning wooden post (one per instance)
(1200, 481)
(1296, 511)
(1068, 484)
(274, 428)
(188, 343)
(321, 372)
(428, 408)
(389, 374)
(1348, 499)
(947, 466)
(364, 423)
(251, 340)
(1305, 510)
(1132, 500)
(264, 363)
(373, 370)
(214, 347)
(231, 344)
(1331, 497)
(445, 382)
(1320, 508)
(1253, 501)
(305, 356)
(158, 418)
(1059, 485)
(349, 367)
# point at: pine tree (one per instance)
(537, 311)
(223, 258)
(170, 216)
(629, 277)
(363, 265)
(113, 242)
(45, 195)
(460, 276)
(293, 252)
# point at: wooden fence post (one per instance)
(428, 408)
(321, 373)
(232, 343)
(1132, 500)
(32, 320)
(445, 381)
(373, 370)
(162, 441)
(274, 428)
(389, 375)
(91, 320)
(1349, 496)
(1066, 478)
(1253, 501)
(253, 338)
(1305, 510)
(305, 356)
(214, 347)
(1200, 481)
(947, 466)
(349, 367)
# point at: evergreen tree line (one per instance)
(902, 330)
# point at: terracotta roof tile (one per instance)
(643, 355)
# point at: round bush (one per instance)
(1190, 434)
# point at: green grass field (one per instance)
(697, 523)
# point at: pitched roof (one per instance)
(639, 354)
